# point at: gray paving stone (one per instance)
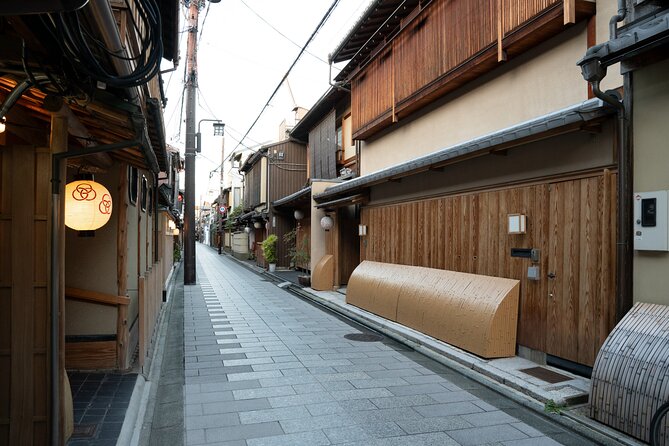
(435, 424)
(234, 406)
(243, 432)
(381, 382)
(402, 401)
(208, 397)
(316, 423)
(484, 435)
(263, 392)
(432, 439)
(417, 389)
(300, 400)
(453, 397)
(367, 432)
(316, 438)
(444, 410)
(357, 394)
(209, 421)
(275, 414)
(536, 441)
(254, 375)
(489, 418)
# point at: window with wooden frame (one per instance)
(144, 194)
(347, 138)
(133, 180)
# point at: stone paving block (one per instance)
(195, 436)
(368, 432)
(401, 373)
(489, 418)
(435, 424)
(432, 439)
(275, 414)
(381, 382)
(243, 432)
(309, 388)
(482, 435)
(339, 407)
(357, 394)
(208, 397)
(316, 438)
(417, 389)
(277, 366)
(453, 397)
(254, 375)
(235, 406)
(402, 401)
(299, 400)
(381, 415)
(316, 423)
(209, 421)
(263, 392)
(537, 441)
(447, 409)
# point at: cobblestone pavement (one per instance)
(263, 367)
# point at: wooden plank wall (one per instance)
(150, 302)
(252, 186)
(322, 148)
(288, 175)
(448, 42)
(572, 222)
(24, 298)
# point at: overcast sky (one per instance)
(241, 60)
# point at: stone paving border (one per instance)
(264, 367)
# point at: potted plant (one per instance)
(269, 251)
(299, 254)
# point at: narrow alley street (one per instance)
(264, 367)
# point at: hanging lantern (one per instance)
(175, 231)
(298, 214)
(247, 229)
(88, 205)
(327, 222)
(257, 225)
(171, 224)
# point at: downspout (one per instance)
(624, 216)
(54, 279)
(613, 23)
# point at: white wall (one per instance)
(318, 239)
(651, 170)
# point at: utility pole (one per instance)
(191, 95)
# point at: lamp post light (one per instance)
(219, 129)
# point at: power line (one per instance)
(282, 34)
(311, 37)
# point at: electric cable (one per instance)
(311, 37)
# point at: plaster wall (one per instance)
(263, 179)
(550, 157)
(90, 264)
(541, 81)
(318, 236)
(651, 170)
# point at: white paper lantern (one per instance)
(257, 225)
(298, 214)
(88, 205)
(327, 222)
(247, 229)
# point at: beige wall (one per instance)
(90, 264)
(318, 240)
(605, 10)
(651, 171)
(263, 179)
(539, 82)
(573, 152)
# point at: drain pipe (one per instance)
(624, 216)
(613, 23)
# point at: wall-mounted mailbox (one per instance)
(651, 213)
(525, 253)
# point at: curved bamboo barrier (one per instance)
(322, 278)
(630, 379)
(473, 312)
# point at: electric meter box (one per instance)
(651, 212)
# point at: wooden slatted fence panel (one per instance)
(150, 302)
(468, 233)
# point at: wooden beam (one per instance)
(569, 12)
(96, 297)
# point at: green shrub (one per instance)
(297, 254)
(269, 248)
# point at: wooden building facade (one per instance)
(467, 113)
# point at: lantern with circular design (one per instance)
(88, 205)
(327, 222)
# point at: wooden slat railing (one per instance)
(150, 301)
(121, 303)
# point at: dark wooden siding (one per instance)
(287, 175)
(444, 46)
(252, 186)
(323, 147)
(571, 222)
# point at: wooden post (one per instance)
(59, 143)
(569, 12)
(121, 267)
(501, 54)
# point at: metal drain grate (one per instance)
(363, 337)
(546, 375)
(84, 430)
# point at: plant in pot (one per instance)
(298, 252)
(269, 251)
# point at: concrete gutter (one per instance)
(489, 373)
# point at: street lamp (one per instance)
(219, 128)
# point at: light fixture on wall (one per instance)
(327, 223)
(298, 214)
(171, 224)
(175, 231)
(362, 230)
(517, 224)
(88, 205)
(247, 229)
(257, 225)
(2, 124)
